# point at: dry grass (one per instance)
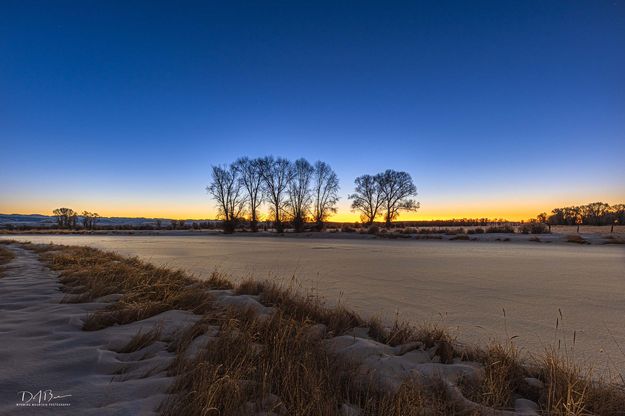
(218, 280)
(249, 361)
(274, 365)
(141, 340)
(430, 334)
(572, 390)
(303, 307)
(87, 274)
(6, 256)
(504, 373)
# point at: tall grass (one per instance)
(147, 290)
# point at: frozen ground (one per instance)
(464, 285)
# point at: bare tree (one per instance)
(277, 174)
(89, 219)
(325, 190)
(396, 188)
(226, 189)
(299, 193)
(367, 198)
(65, 217)
(252, 180)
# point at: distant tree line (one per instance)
(302, 194)
(595, 213)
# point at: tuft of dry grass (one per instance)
(6, 255)
(218, 280)
(614, 240)
(303, 307)
(504, 373)
(572, 390)
(255, 365)
(141, 340)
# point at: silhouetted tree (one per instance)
(277, 175)
(252, 180)
(396, 190)
(366, 198)
(226, 189)
(618, 211)
(595, 213)
(65, 217)
(299, 193)
(89, 219)
(325, 193)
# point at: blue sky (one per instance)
(498, 108)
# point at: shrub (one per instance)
(500, 229)
(373, 229)
(534, 228)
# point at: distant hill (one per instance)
(39, 220)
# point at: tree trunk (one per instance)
(254, 223)
(298, 224)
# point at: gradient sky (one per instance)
(497, 109)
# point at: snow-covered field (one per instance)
(464, 285)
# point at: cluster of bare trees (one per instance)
(292, 191)
(68, 218)
(384, 194)
(595, 213)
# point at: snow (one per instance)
(44, 348)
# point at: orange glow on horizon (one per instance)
(203, 208)
(509, 213)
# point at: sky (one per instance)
(496, 108)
